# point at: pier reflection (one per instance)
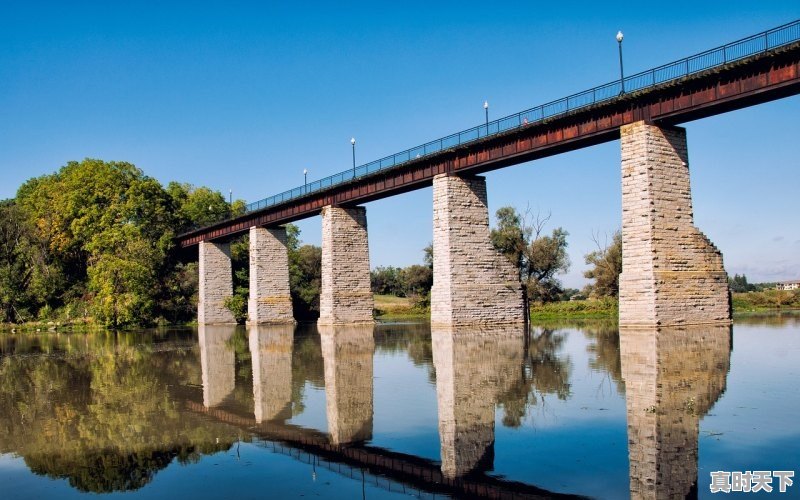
(218, 362)
(271, 349)
(347, 353)
(473, 368)
(673, 376)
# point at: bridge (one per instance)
(673, 275)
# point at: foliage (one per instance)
(766, 300)
(305, 279)
(99, 234)
(606, 307)
(412, 281)
(538, 257)
(607, 266)
(739, 284)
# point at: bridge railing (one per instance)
(710, 59)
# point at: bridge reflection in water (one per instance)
(673, 376)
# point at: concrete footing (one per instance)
(473, 284)
(346, 295)
(270, 299)
(672, 274)
(216, 284)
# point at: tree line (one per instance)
(94, 241)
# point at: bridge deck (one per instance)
(734, 82)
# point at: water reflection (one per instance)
(100, 416)
(673, 376)
(347, 352)
(473, 368)
(271, 355)
(218, 361)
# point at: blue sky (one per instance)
(244, 96)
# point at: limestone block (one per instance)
(672, 274)
(473, 284)
(270, 298)
(216, 283)
(346, 295)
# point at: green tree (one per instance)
(739, 284)
(606, 267)
(538, 257)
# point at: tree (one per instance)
(538, 257)
(607, 266)
(739, 284)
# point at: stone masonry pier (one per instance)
(672, 274)
(216, 284)
(473, 284)
(346, 296)
(270, 299)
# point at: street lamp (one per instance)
(353, 143)
(621, 74)
(230, 197)
(305, 180)
(486, 110)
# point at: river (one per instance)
(572, 409)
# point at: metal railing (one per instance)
(710, 59)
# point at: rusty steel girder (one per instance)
(758, 79)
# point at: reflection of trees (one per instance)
(411, 338)
(543, 371)
(102, 418)
(605, 347)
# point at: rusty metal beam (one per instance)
(749, 82)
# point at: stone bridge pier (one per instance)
(215, 283)
(270, 300)
(671, 273)
(473, 284)
(346, 295)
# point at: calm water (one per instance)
(398, 410)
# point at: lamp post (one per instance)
(486, 111)
(305, 180)
(230, 197)
(353, 143)
(621, 74)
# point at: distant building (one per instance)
(788, 285)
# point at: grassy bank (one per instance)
(766, 301)
(391, 307)
(601, 308)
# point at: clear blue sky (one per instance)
(244, 96)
